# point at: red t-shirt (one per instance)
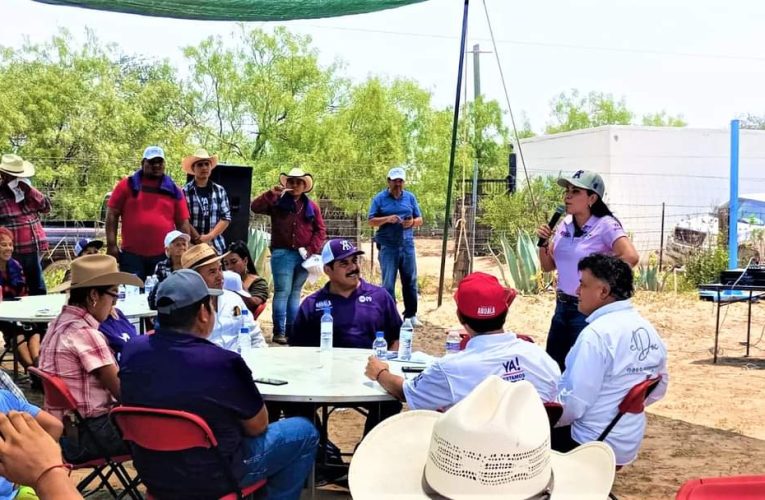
(147, 217)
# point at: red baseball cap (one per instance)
(481, 296)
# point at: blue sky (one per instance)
(702, 59)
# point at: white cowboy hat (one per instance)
(16, 166)
(200, 154)
(298, 173)
(233, 282)
(495, 442)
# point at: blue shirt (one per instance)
(406, 206)
(356, 319)
(11, 402)
(176, 371)
(117, 332)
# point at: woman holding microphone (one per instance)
(589, 227)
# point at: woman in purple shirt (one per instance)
(589, 227)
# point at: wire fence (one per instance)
(656, 209)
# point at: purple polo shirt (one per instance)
(356, 319)
(117, 332)
(176, 371)
(599, 236)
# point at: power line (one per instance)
(553, 45)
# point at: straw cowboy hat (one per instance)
(200, 255)
(297, 173)
(200, 154)
(16, 166)
(97, 270)
(495, 442)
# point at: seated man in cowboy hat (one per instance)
(149, 205)
(178, 368)
(297, 232)
(495, 443)
(20, 209)
(482, 305)
(208, 202)
(76, 351)
(229, 306)
(616, 350)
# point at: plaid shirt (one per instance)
(73, 349)
(207, 212)
(23, 218)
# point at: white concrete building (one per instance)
(685, 168)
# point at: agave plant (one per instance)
(258, 242)
(519, 265)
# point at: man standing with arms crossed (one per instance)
(395, 212)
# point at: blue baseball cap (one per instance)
(338, 249)
(153, 152)
(397, 173)
(84, 243)
(181, 289)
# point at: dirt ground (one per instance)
(712, 421)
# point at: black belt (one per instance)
(566, 298)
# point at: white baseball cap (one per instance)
(233, 282)
(174, 235)
(397, 173)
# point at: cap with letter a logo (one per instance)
(338, 249)
(585, 179)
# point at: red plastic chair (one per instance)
(554, 412)
(633, 402)
(59, 397)
(259, 310)
(716, 488)
(173, 430)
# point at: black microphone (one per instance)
(553, 220)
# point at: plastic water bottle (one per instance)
(380, 346)
(244, 340)
(150, 283)
(121, 293)
(326, 330)
(405, 339)
(453, 342)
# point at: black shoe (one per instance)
(279, 338)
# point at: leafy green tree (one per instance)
(574, 111)
(82, 115)
(662, 119)
(523, 210)
(754, 122)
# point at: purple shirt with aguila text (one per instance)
(599, 236)
(356, 319)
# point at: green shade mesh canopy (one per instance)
(238, 10)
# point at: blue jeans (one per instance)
(400, 260)
(566, 324)
(289, 277)
(139, 265)
(283, 455)
(30, 263)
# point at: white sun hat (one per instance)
(495, 442)
(232, 281)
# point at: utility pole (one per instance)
(474, 195)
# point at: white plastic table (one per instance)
(45, 308)
(322, 379)
(315, 377)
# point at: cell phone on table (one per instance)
(270, 381)
(412, 369)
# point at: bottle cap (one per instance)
(380, 334)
